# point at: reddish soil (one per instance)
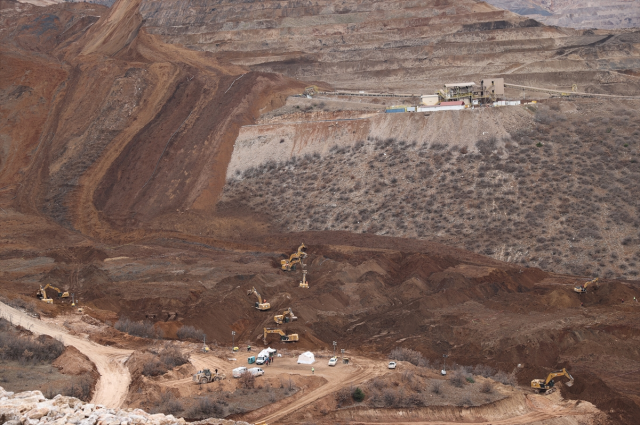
(115, 147)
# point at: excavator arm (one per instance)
(294, 258)
(562, 372)
(260, 305)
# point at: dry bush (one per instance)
(168, 358)
(343, 396)
(189, 332)
(25, 348)
(247, 380)
(206, 408)
(466, 401)
(408, 355)
(457, 379)
(506, 378)
(171, 356)
(436, 387)
(141, 329)
(80, 388)
(486, 388)
(389, 398)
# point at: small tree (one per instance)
(358, 395)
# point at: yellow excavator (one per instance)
(295, 258)
(547, 385)
(283, 337)
(583, 288)
(285, 317)
(304, 283)
(42, 293)
(260, 305)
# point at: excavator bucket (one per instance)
(569, 383)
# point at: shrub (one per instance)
(457, 380)
(389, 397)
(358, 394)
(14, 346)
(436, 387)
(466, 401)
(206, 408)
(408, 355)
(505, 378)
(171, 356)
(189, 332)
(343, 396)
(79, 388)
(141, 329)
(486, 387)
(247, 380)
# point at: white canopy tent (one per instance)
(306, 358)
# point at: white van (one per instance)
(261, 359)
(256, 371)
(237, 372)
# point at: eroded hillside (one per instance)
(550, 185)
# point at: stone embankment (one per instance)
(32, 408)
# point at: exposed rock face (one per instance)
(577, 13)
(31, 407)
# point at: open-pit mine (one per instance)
(319, 212)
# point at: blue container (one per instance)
(251, 360)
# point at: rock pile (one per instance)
(32, 408)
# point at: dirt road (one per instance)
(113, 384)
(337, 377)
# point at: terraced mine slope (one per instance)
(407, 46)
(157, 161)
(577, 13)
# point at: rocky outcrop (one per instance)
(31, 407)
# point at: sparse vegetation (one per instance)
(26, 348)
(532, 198)
(409, 355)
(166, 359)
(141, 329)
(189, 332)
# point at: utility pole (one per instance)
(233, 340)
(444, 364)
(334, 348)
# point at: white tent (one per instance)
(306, 358)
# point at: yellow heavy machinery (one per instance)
(304, 283)
(547, 385)
(311, 90)
(295, 258)
(583, 288)
(42, 293)
(283, 337)
(260, 305)
(285, 317)
(205, 376)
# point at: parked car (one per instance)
(392, 365)
(256, 371)
(333, 361)
(237, 372)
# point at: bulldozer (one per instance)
(260, 305)
(205, 376)
(547, 385)
(583, 288)
(304, 283)
(42, 293)
(283, 337)
(285, 317)
(294, 259)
